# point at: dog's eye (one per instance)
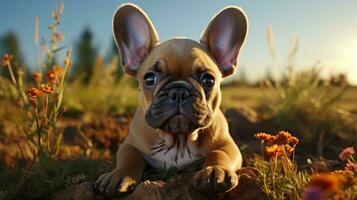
(207, 80)
(150, 79)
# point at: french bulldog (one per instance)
(178, 121)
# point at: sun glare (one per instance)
(353, 71)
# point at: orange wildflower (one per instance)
(275, 150)
(262, 136)
(279, 144)
(33, 92)
(58, 70)
(329, 182)
(289, 149)
(347, 153)
(6, 59)
(47, 89)
(36, 77)
(265, 137)
(54, 74)
(51, 76)
(282, 138)
(293, 140)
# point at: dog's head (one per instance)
(179, 79)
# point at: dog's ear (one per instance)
(134, 35)
(224, 37)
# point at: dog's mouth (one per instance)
(179, 124)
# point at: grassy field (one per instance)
(253, 97)
(234, 96)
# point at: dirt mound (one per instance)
(178, 187)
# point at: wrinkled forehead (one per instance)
(179, 57)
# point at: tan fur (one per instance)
(180, 58)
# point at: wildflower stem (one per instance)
(61, 88)
(21, 88)
(265, 183)
(45, 107)
(13, 79)
(274, 170)
(49, 138)
(38, 129)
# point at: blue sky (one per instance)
(327, 30)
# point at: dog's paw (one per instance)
(114, 183)
(215, 179)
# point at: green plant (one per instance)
(279, 176)
(101, 96)
(305, 103)
(46, 98)
(41, 104)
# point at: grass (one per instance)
(252, 96)
(47, 177)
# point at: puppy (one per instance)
(178, 120)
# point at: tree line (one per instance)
(85, 52)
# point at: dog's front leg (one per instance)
(219, 171)
(126, 175)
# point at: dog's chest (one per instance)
(175, 151)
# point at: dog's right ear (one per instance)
(134, 35)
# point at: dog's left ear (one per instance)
(134, 35)
(224, 37)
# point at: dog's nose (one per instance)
(179, 95)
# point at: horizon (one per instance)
(326, 31)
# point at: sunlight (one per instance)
(353, 72)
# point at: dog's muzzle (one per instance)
(174, 108)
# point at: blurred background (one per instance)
(326, 31)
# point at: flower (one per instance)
(284, 138)
(275, 150)
(289, 149)
(47, 89)
(279, 144)
(346, 153)
(33, 92)
(326, 181)
(351, 166)
(281, 138)
(265, 137)
(37, 77)
(54, 74)
(262, 136)
(6, 59)
(325, 186)
(293, 140)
